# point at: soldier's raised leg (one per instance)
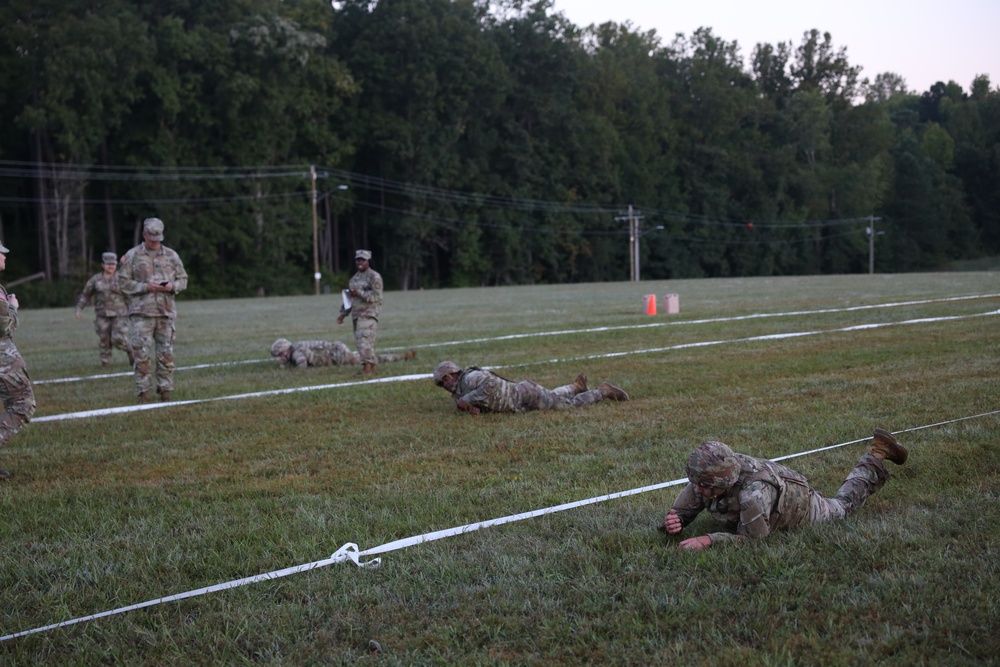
(141, 340)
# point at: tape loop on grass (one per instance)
(349, 552)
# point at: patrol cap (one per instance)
(153, 229)
(3, 249)
(363, 254)
(713, 465)
(280, 346)
(443, 369)
(109, 258)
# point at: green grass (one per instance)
(109, 511)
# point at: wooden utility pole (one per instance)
(316, 274)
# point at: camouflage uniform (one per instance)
(763, 496)
(364, 311)
(491, 393)
(15, 386)
(152, 314)
(324, 353)
(111, 318)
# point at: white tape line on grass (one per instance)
(350, 552)
(423, 376)
(537, 334)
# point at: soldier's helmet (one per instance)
(443, 369)
(280, 346)
(713, 464)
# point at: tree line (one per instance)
(469, 142)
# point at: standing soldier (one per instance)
(111, 319)
(15, 387)
(150, 275)
(365, 291)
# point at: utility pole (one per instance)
(633, 238)
(871, 244)
(316, 274)
(633, 242)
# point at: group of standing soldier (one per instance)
(135, 311)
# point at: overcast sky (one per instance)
(922, 41)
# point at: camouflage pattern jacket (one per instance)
(368, 303)
(9, 356)
(140, 266)
(487, 391)
(766, 497)
(106, 295)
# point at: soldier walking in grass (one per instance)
(365, 291)
(324, 353)
(151, 275)
(110, 315)
(754, 497)
(15, 386)
(476, 390)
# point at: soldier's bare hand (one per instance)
(672, 523)
(79, 315)
(697, 543)
(340, 319)
(12, 300)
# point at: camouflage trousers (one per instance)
(531, 396)
(18, 399)
(365, 331)
(868, 476)
(145, 334)
(111, 331)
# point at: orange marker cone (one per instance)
(650, 304)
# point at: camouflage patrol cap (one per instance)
(3, 249)
(713, 465)
(109, 258)
(280, 346)
(153, 229)
(443, 369)
(363, 254)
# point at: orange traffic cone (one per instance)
(650, 300)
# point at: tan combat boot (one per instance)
(580, 384)
(369, 369)
(165, 395)
(884, 446)
(143, 397)
(410, 354)
(612, 392)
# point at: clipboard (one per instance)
(345, 295)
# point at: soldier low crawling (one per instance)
(755, 496)
(478, 390)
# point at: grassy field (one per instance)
(105, 511)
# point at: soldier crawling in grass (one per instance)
(110, 314)
(324, 353)
(477, 390)
(754, 497)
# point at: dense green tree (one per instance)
(481, 141)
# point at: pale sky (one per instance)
(924, 42)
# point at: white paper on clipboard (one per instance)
(346, 296)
